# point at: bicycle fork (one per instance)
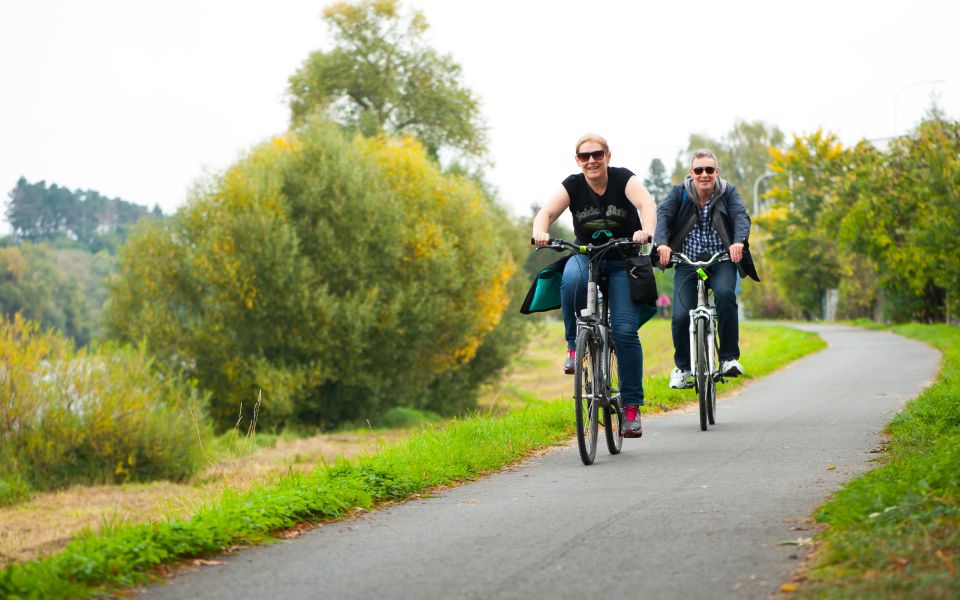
(708, 314)
(695, 316)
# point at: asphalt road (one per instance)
(679, 514)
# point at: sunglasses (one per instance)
(709, 170)
(596, 155)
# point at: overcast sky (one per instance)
(139, 99)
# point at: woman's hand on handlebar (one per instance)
(540, 238)
(642, 237)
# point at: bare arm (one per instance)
(638, 195)
(550, 212)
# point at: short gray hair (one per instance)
(704, 153)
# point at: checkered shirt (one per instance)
(703, 238)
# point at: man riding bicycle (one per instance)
(702, 216)
(604, 201)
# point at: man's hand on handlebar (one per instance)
(664, 251)
(736, 252)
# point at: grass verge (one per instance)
(461, 450)
(765, 348)
(895, 531)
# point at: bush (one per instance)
(13, 489)
(71, 417)
(340, 276)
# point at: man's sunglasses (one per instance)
(709, 170)
(596, 154)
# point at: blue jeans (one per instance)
(625, 319)
(723, 280)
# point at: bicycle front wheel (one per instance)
(612, 413)
(585, 390)
(703, 376)
(714, 374)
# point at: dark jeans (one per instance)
(625, 319)
(723, 280)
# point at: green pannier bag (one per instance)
(544, 293)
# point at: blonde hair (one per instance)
(592, 137)
(704, 153)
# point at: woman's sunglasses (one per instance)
(699, 170)
(596, 154)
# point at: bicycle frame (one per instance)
(596, 315)
(705, 310)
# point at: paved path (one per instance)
(680, 514)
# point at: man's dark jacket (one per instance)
(677, 214)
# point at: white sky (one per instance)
(138, 99)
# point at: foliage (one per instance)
(340, 277)
(90, 273)
(381, 77)
(90, 417)
(742, 154)
(905, 218)
(878, 226)
(32, 283)
(895, 531)
(657, 182)
(537, 260)
(13, 489)
(82, 217)
(801, 247)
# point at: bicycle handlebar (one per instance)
(558, 244)
(678, 258)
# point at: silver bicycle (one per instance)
(704, 344)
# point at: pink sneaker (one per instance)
(570, 362)
(631, 422)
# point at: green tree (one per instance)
(381, 77)
(743, 154)
(657, 182)
(802, 248)
(32, 284)
(81, 218)
(293, 276)
(904, 216)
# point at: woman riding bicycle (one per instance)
(603, 201)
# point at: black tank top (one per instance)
(612, 211)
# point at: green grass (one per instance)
(435, 455)
(764, 349)
(895, 531)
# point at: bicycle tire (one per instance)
(703, 371)
(584, 396)
(714, 374)
(612, 413)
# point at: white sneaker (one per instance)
(731, 368)
(678, 379)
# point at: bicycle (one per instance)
(596, 375)
(704, 344)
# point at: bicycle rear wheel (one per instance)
(612, 413)
(585, 390)
(703, 376)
